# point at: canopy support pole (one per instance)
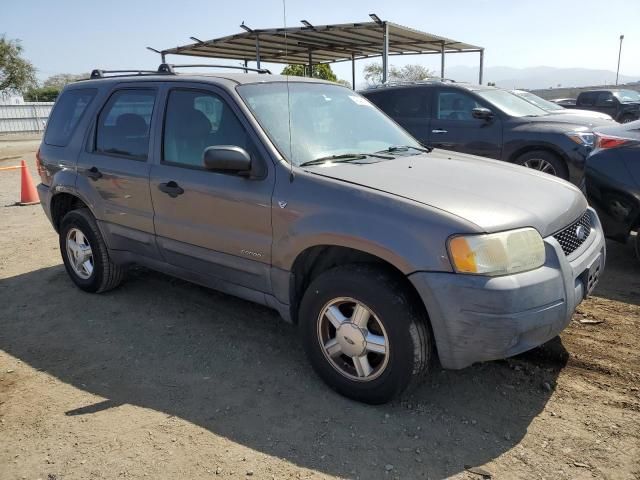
(385, 52)
(257, 51)
(481, 66)
(353, 71)
(442, 61)
(310, 65)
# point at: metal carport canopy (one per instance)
(326, 44)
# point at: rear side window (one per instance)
(123, 124)
(408, 102)
(67, 113)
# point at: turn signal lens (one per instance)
(497, 253)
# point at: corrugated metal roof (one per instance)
(327, 43)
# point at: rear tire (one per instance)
(85, 253)
(544, 161)
(382, 343)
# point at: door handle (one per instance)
(171, 188)
(439, 130)
(94, 174)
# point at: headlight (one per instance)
(497, 253)
(582, 137)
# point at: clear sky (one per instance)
(75, 36)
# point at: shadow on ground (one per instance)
(233, 368)
(621, 279)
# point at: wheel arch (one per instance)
(538, 147)
(317, 259)
(61, 204)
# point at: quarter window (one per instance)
(194, 121)
(67, 113)
(123, 124)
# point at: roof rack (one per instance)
(169, 68)
(395, 83)
(99, 73)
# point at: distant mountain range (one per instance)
(538, 77)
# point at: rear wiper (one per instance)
(345, 157)
(404, 148)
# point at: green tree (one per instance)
(61, 79)
(408, 73)
(42, 94)
(16, 73)
(320, 70)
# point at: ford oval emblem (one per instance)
(581, 232)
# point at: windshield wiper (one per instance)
(345, 157)
(404, 148)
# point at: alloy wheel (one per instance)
(540, 165)
(353, 339)
(79, 253)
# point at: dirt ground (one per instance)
(164, 379)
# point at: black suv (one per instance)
(489, 122)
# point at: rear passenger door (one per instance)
(410, 107)
(454, 128)
(213, 223)
(113, 168)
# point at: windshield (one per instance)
(326, 120)
(627, 96)
(539, 102)
(511, 104)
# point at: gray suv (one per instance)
(300, 195)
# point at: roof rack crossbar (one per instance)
(169, 67)
(412, 82)
(99, 73)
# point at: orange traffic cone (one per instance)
(28, 194)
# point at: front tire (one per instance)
(544, 161)
(85, 253)
(363, 334)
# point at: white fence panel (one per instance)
(28, 117)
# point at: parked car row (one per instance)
(490, 122)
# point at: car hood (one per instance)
(568, 121)
(493, 195)
(583, 113)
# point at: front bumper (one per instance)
(476, 318)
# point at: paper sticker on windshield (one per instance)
(359, 100)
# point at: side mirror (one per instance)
(227, 158)
(482, 113)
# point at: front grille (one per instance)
(569, 239)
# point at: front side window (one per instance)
(308, 121)
(67, 113)
(195, 120)
(124, 124)
(456, 106)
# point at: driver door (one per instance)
(213, 223)
(454, 128)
